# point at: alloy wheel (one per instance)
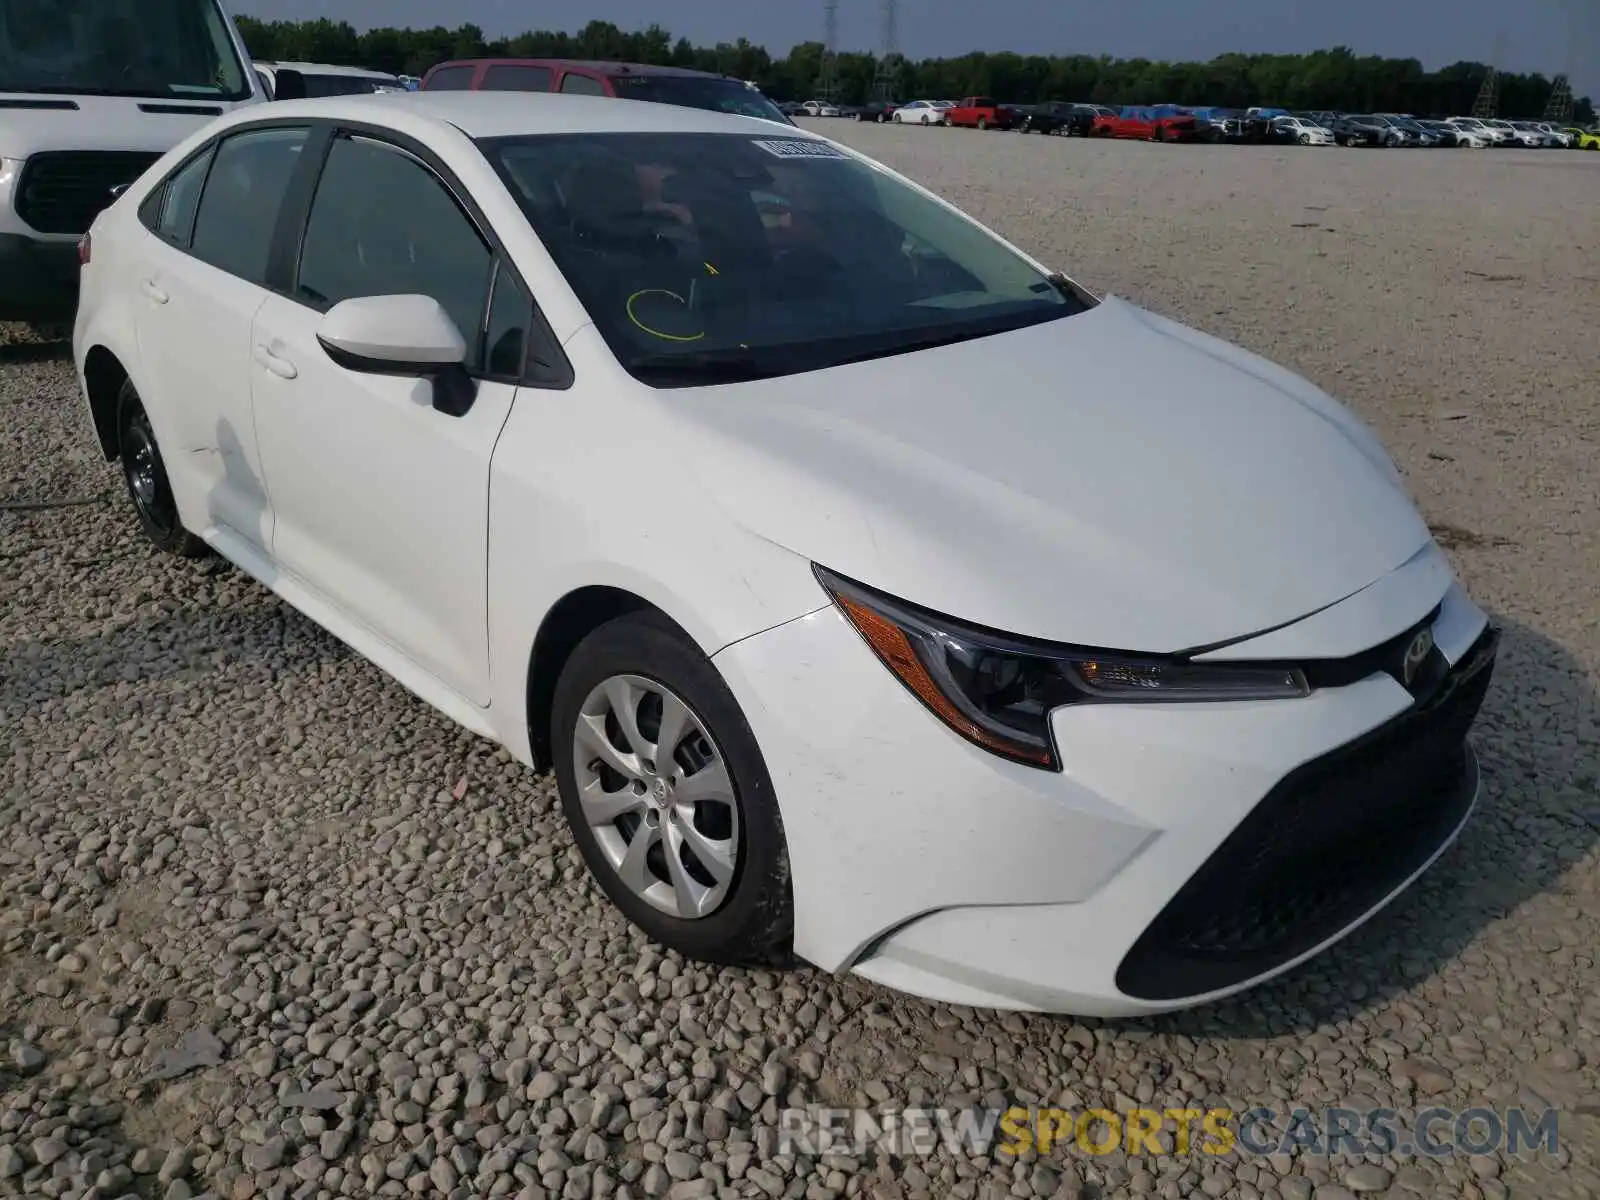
(657, 795)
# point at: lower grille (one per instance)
(1331, 840)
(62, 191)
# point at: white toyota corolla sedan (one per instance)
(880, 597)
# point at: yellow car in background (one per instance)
(1584, 139)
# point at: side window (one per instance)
(243, 195)
(505, 339)
(383, 224)
(451, 79)
(181, 201)
(582, 85)
(509, 77)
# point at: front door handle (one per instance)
(152, 292)
(279, 366)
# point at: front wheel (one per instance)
(668, 796)
(145, 474)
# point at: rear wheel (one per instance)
(145, 474)
(668, 797)
(983, 122)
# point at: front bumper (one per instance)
(1186, 852)
(38, 279)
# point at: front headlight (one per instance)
(998, 691)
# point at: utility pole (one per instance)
(828, 80)
(886, 83)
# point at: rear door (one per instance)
(200, 279)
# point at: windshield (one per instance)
(166, 48)
(717, 257)
(699, 91)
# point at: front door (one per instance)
(380, 501)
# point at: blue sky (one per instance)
(1551, 36)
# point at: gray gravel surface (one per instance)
(268, 926)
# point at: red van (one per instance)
(626, 81)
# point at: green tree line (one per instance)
(1326, 79)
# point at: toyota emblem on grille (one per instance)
(1416, 654)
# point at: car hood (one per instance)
(1112, 479)
(102, 123)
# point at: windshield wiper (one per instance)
(710, 366)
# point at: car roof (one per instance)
(598, 66)
(311, 68)
(517, 114)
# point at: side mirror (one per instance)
(408, 336)
(265, 81)
(291, 85)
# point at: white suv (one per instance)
(85, 106)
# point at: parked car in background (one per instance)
(76, 127)
(1586, 139)
(1517, 137)
(313, 81)
(820, 108)
(1350, 130)
(1452, 135)
(1546, 136)
(1050, 116)
(622, 80)
(980, 112)
(919, 112)
(1483, 129)
(1146, 125)
(877, 111)
(1302, 131)
(460, 323)
(1220, 124)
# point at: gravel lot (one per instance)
(268, 926)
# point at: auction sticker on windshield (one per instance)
(800, 148)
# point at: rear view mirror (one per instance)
(290, 85)
(408, 336)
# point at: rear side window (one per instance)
(508, 77)
(243, 195)
(383, 224)
(451, 79)
(320, 86)
(582, 85)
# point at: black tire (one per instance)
(145, 475)
(753, 925)
(983, 123)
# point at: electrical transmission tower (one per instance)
(1559, 110)
(886, 83)
(1487, 106)
(828, 80)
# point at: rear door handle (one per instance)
(281, 367)
(152, 292)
